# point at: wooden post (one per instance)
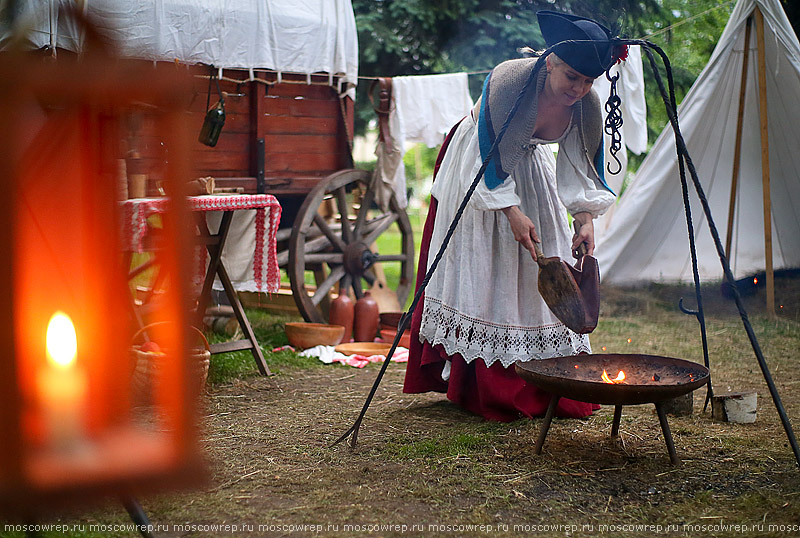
(737, 155)
(762, 97)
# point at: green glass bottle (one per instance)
(212, 125)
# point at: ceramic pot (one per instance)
(366, 319)
(342, 313)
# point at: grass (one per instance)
(458, 444)
(421, 460)
(269, 331)
(390, 242)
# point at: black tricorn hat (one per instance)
(587, 45)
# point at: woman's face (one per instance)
(567, 85)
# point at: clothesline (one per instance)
(336, 78)
(648, 36)
(483, 72)
(688, 19)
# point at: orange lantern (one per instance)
(68, 418)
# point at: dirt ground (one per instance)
(424, 467)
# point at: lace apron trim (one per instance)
(474, 339)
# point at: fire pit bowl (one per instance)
(648, 378)
(614, 379)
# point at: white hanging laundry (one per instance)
(424, 108)
(427, 106)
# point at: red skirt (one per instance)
(496, 393)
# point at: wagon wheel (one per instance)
(333, 242)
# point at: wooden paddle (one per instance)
(571, 293)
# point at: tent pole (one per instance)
(762, 97)
(738, 147)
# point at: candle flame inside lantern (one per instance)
(619, 379)
(62, 342)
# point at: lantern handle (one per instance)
(141, 332)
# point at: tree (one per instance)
(414, 37)
(688, 31)
(792, 9)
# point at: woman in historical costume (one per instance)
(482, 311)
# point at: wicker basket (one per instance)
(146, 367)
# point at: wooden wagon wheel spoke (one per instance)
(357, 288)
(315, 245)
(336, 241)
(391, 258)
(343, 244)
(379, 229)
(366, 202)
(341, 204)
(369, 277)
(331, 258)
(345, 283)
(327, 284)
(369, 226)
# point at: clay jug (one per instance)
(342, 313)
(366, 319)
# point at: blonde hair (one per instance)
(528, 52)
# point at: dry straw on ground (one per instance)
(423, 461)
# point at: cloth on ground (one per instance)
(423, 109)
(329, 355)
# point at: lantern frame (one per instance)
(120, 457)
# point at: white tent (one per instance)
(646, 239)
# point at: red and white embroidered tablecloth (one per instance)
(265, 272)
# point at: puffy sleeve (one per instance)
(578, 186)
(502, 196)
(461, 164)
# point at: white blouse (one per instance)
(482, 301)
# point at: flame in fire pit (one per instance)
(619, 379)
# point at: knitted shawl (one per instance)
(500, 92)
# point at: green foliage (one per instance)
(688, 44)
(406, 37)
(416, 37)
(792, 9)
(419, 162)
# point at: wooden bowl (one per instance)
(306, 335)
(364, 348)
(390, 319)
(387, 335)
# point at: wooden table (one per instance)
(265, 267)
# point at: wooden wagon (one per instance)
(292, 138)
(285, 74)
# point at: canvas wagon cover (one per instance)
(300, 36)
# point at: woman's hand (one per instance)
(523, 228)
(584, 233)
